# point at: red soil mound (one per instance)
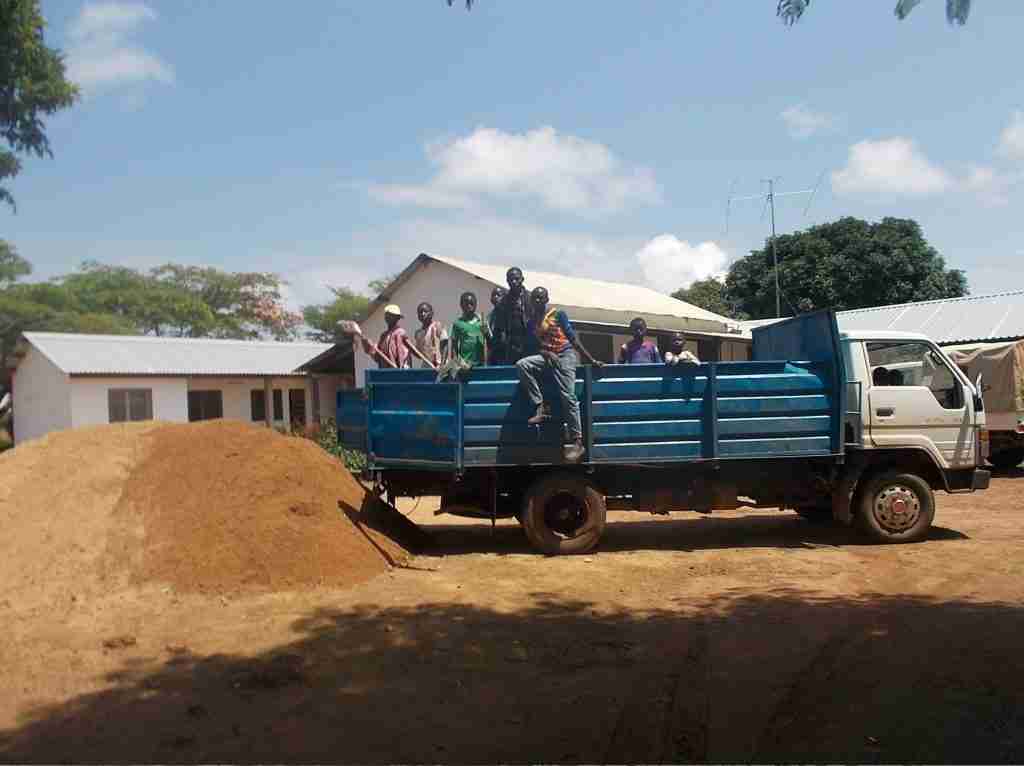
(213, 507)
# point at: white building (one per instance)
(600, 311)
(64, 380)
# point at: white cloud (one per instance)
(802, 122)
(101, 54)
(1011, 140)
(483, 239)
(564, 173)
(669, 263)
(990, 185)
(419, 196)
(892, 166)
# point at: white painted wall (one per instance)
(438, 284)
(441, 285)
(90, 405)
(328, 386)
(237, 399)
(41, 397)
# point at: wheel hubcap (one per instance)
(897, 508)
(565, 515)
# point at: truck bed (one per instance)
(631, 413)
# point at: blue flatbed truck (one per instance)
(787, 429)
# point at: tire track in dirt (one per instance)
(802, 691)
(664, 719)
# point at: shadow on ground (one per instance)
(685, 532)
(787, 677)
(1008, 473)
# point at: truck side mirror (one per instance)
(979, 403)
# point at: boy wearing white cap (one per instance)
(392, 341)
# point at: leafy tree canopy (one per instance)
(32, 85)
(957, 11)
(174, 300)
(323, 318)
(845, 264)
(12, 265)
(710, 294)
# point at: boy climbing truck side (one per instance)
(858, 428)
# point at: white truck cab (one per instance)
(914, 424)
(912, 395)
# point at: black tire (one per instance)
(816, 515)
(896, 508)
(1007, 459)
(563, 513)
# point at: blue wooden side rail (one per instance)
(630, 413)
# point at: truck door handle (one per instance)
(885, 412)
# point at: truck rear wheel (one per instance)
(896, 508)
(563, 514)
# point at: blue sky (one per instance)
(333, 141)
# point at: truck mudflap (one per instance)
(842, 495)
(967, 480)
(980, 479)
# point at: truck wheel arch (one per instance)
(864, 466)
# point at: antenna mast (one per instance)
(769, 199)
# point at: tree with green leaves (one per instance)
(33, 85)
(323, 318)
(12, 266)
(242, 304)
(379, 285)
(139, 299)
(711, 295)
(957, 11)
(48, 307)
(845, 264)
(790, 11)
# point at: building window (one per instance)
(600, 345)
(205, 405)
(297, 406)
(259, 404)
(129, 404)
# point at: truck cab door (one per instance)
(915, 399)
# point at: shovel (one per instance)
(416, 351)
(352, 328)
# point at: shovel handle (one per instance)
(416, 351)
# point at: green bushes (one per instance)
(326, 435)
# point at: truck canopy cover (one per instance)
(1002, 368)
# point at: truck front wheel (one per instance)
(896, 508)
(563, 514)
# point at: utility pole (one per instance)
(769, 199)
(775, 258)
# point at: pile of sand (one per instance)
(214, 507)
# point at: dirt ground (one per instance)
(734, 637)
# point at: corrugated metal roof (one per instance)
(623, 300)
(951, 320)
(972, 319)
(77, 354)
